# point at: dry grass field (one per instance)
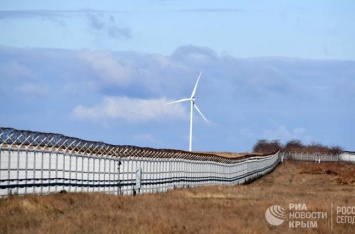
(213, 209)
(234, 155)
(228, 154)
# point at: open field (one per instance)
(213, 209)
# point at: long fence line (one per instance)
(313, 157)
(41, 163)
(345, 156)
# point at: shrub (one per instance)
(267, 147)
(293, 145)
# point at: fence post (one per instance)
(282, 157)
(138, 179)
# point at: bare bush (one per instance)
(266, 147)
(293, 145)
(335, 150)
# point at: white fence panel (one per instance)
(31, 171)
(41, 163)
(318, 157)
(347, 157)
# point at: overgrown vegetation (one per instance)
(266, 147)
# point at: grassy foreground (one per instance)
(213, 209)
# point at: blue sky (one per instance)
(103, 70)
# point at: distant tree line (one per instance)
(265, 147)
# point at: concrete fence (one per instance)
(313, 157)
(41, 163)
(345, 156)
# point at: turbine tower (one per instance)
(193, 105)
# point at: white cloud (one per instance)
(107, 25)
(194, 54)
(14, 69)
(130, 109)
(285, 134)
(240, 95)
(32, 90)
(109, 69)
(164, 62)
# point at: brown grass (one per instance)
(233, 154)
(228, 154)
(213, 209)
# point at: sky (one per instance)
(104, 71)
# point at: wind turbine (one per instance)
(193, 105)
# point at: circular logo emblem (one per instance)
(275, 215)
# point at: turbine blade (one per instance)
(181, 100)
(198, 110)
(194, 90)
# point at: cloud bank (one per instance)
(119, 96)
(130, 109)
(99, 22)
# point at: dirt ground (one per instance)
(314, 189)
